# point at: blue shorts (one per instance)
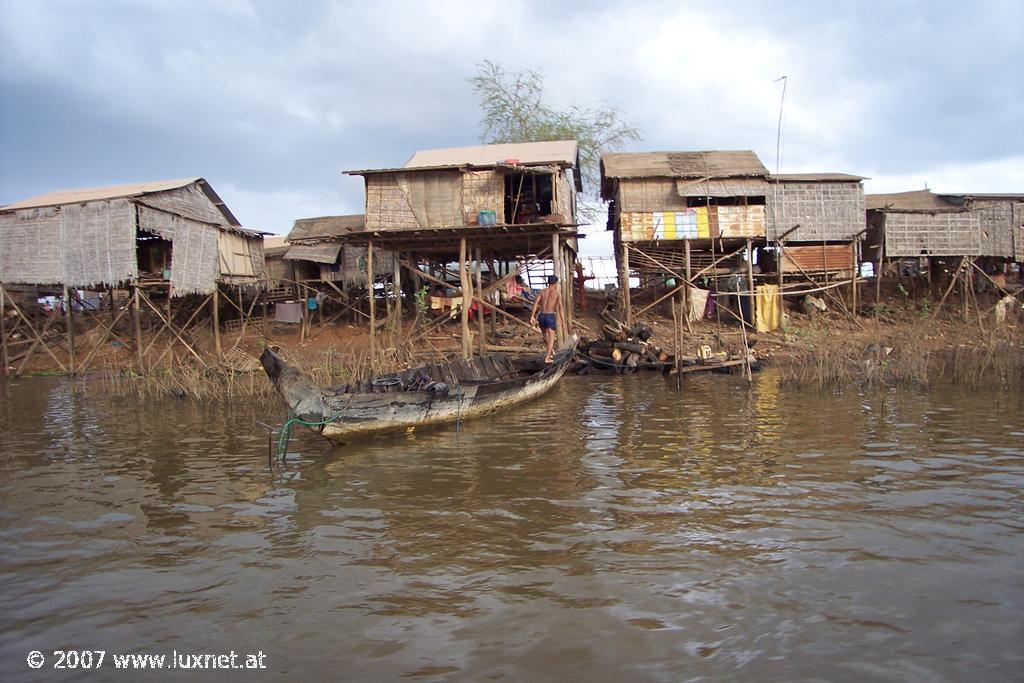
(546, 321)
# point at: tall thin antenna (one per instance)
(778, 134)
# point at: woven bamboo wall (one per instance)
(932, 234)
(824, 211)
(80, 245)
(482, 191)
(195, 260)
(353, 265)
(1018, 232)
(564, 193)
(645, 195)
(386, 205)
(995, 217)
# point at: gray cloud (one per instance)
(271, 101)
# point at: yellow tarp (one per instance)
(703, 226)
(767, 313)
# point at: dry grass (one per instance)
(915, 353)
(183, 377)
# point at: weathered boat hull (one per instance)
(342, 416)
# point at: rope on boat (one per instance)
(286, 431)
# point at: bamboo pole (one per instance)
(70, 331)
(467, 297)
(215, 318)
(137, 327)
(557, 261)
(686, 291)
(750, 284)
(779, 257)
(878, 275)
(856, 275)
(480, 322)
(373, 303)
(3, 330)
(627, 304)
(398, 299)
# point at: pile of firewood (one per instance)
(622, 349)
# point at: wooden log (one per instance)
(617, 355)
(631, 347)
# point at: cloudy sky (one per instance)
(271, 101)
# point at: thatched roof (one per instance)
(81, 196)
(325, 252)
(816, 178)
(924, 201)
(709, 164)
(325, 227)
(276, 252)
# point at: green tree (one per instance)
(514, 111)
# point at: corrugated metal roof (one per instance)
(985, 195)
(916, 200)
(94, 194)
(708, 164)
(326, 227)
(562, 152)
(325, 252)
(817, 177)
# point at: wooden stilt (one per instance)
(467, 298)
(878, 274)
(856, 274)
(965, 305)
(215, 320)
(3, 331)
(70, 331)
(398, 300)
(373, 301)
(750, 282)
(779, 258)
(137, 326)
(482, 336)
(556, 266)
(689, 284)
(627, 306)
(495, 276)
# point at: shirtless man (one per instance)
(549, 301)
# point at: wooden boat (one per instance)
(427, 395)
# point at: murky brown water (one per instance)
(613, 530)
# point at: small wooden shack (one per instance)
(500, 205)
(173, 232)
(1001, 221)
(508, 184)
(680, 215)
(317, 251)
(922, 223)
(166, 241)
(819, 217)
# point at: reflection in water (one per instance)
(616, 528)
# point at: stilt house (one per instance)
(175, 233)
